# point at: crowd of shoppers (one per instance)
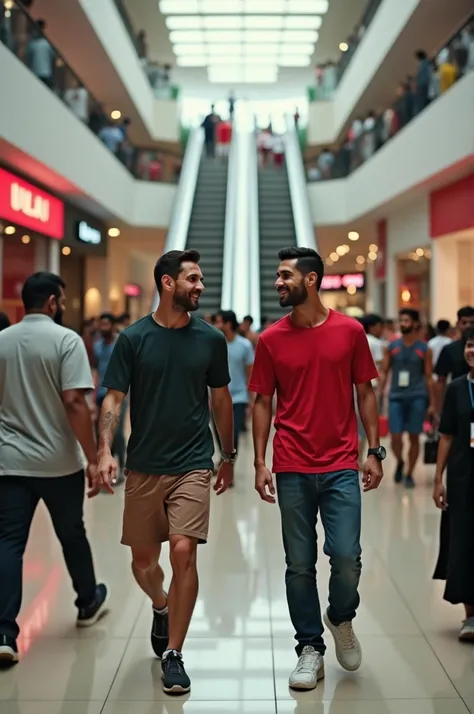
(28, 40)
(366, 135)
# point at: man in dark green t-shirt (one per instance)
(169, 360)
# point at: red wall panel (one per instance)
(452, 208)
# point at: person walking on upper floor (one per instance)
(411, 396)
(422, 81)
(312, 358)
(456, 498)
(41, 55)
(44, 420)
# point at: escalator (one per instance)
(207, 228)
(277, 230)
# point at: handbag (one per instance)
(430, 454)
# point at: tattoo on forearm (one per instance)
(108, 425)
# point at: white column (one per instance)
(41, 254)
(444, 279)
(370, 288)
(54, 256)
(392, 286)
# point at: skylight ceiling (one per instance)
(243, 40)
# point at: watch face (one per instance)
(382, 452)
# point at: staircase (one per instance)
(206, 229)
(277, 231)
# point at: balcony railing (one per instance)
(27, 40)
(367, 136)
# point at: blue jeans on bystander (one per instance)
(337, 496)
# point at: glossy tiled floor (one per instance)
(240, 649)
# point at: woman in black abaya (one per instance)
(456, 499)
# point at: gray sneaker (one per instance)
(309, 670)
(348, 649)
(467, 630)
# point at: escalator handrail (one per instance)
(304, 228)
(229, 232)
(240, 287)
(177, 235)
(253, 270)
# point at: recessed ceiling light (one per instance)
(116, 114)
(373, 248)
(351, 289)
(360, 260)
(334, 257)
(373, 256)
(329, 261)
(114, 232)
(420, 252)
(343, 46)
(10, 230)
(353, 235)
(66, 250)
(25, 239)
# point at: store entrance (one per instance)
(72, 270)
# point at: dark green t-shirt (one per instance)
(168, 373)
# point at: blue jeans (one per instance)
(337, 496)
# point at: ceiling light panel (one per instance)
(186, 36)
(264, 22)
(294, 61)
(308, 7)
(222, 22)
(296, 49)
(221, 7)
(237, 74)
(195, 49)
(264, 7)
(299, 36)
(303, 22)
(184, 22)
(192, 61)
(179, 7)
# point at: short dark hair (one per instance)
(468, 334)
(170, 264)
(414, 314)
(229, 316)
(466, 311)
(108, 316)
(420, 55)
(307, 261)
(4, 321)
(124, 316)
(443, 326)
(41, 24)
(249, 319)
(39, 287)
(372, 320)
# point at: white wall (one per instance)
(441, 136)
(35, 121)
(159, 117)
(408, 228)
(321, 123)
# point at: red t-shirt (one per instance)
(313, 371)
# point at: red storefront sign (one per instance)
(341, 282)
(28, 206)
(381, 262)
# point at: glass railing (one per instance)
(27, 40)
(414, 95)
(329, 74)
(158, 75)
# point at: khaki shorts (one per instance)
(159, 506)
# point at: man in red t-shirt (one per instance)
(312, 358)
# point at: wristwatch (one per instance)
(379, 451)
(229, 457)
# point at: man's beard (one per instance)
(406, 330)
(105, 334)
(293, 298)
(58, 317)
(184, 303)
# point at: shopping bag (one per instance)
(383, 426)
(431, 448)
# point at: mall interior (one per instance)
(237, 127)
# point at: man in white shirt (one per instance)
(437, 343)
(44, 422)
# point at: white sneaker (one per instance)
(348, 649)
(467, 630)
(309, 670)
